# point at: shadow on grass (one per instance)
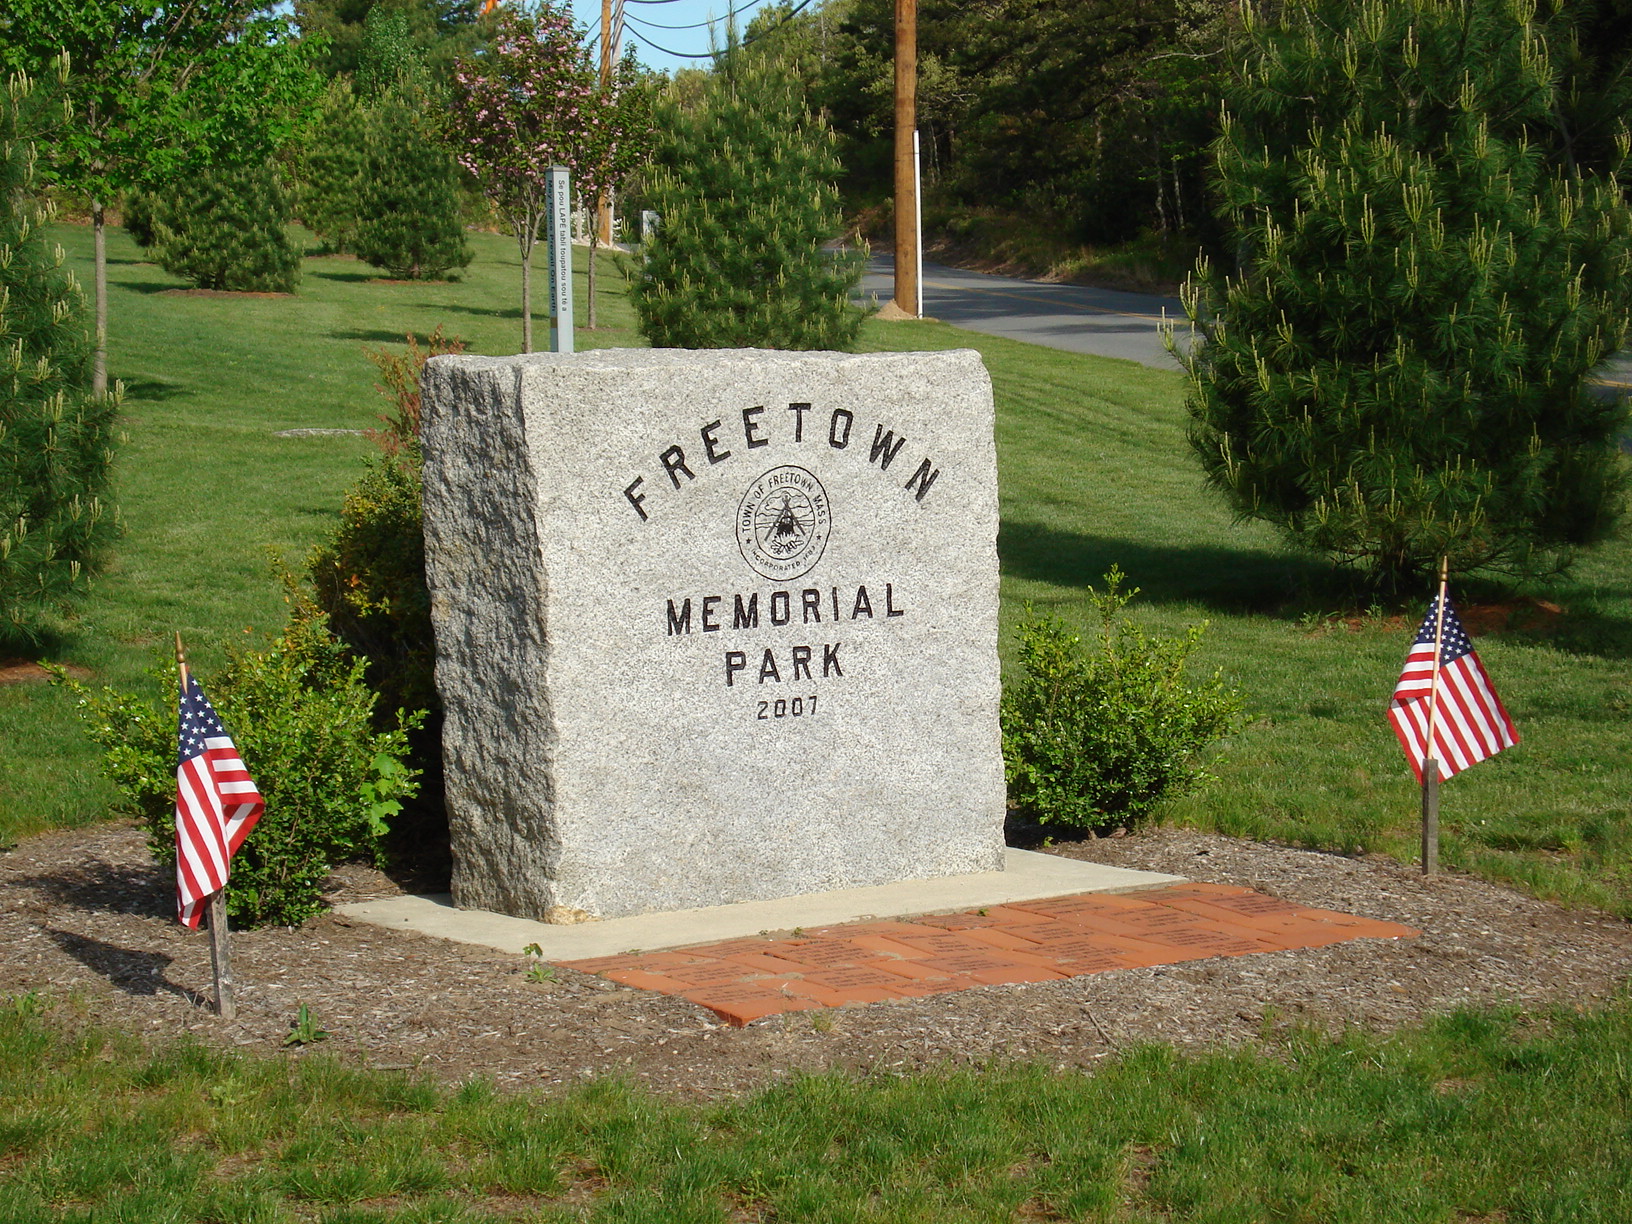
(1586, 631)
(491, 313)
(355, 278)
(135, 973)
(1227, 579)
(148, 286)
(154, 390)
(375, 336)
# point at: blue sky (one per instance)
(643, 17)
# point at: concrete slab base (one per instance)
(1027, 876)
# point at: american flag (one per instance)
(1470, 723)
(216, 804)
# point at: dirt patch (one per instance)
(25, 671)
(88, 918)
(1530, 617)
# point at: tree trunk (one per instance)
(99, 359)
(594, 233)
(526, 293)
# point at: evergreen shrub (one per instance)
(744, 179)
(301, 717)
(225, 228)
(331, 168)
(1096, 738)
(56, 442)
(1399, 367)
(136, 216)
(409, 221)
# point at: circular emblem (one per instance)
(783, 523)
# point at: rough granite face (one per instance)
(712, 626)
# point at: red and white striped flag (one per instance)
(216, 803)
(1469, 721)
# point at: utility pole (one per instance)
(603, 206)
(906, 177)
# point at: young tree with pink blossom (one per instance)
(519, 107)
(617, 141)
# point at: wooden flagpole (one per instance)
(1430, 766)
(220, 954)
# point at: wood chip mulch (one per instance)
(86, 919)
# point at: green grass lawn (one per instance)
(1094, 472)
(1478, 1117)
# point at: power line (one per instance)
(696, 25)
(786, 17)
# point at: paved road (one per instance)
(1072, 317)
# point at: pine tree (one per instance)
(410, 224)
(745, 187)
(224, 228)
(1399, 367)
(332, 164)
(56, 443)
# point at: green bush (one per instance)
(223, 228)
(410, 216)
(56, 442)
(300, 715)
(744, 181)
(1400, 369)
(1096, 739)
(136, 215)
(331, 167)
(369, 578)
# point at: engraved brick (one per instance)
(718, 972)
(1014, 975)
(848, 979)
(826, 952)
(909, 970)
(739, 1005)
(941, 943)
(642, 980)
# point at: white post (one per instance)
(918, 223)
(560, 232)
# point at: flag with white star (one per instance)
(1470, 722)
(217, 804)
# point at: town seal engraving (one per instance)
(783, 523)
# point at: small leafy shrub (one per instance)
(369, 579)
(300, 715)
(1096, 738)
(223, 228)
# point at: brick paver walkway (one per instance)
(1031, 941)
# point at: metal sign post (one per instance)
(559, 187)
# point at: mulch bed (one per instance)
(87, 921)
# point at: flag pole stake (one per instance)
(1430, 767)
(221, 957)
(1430, 817)
(220, 954)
